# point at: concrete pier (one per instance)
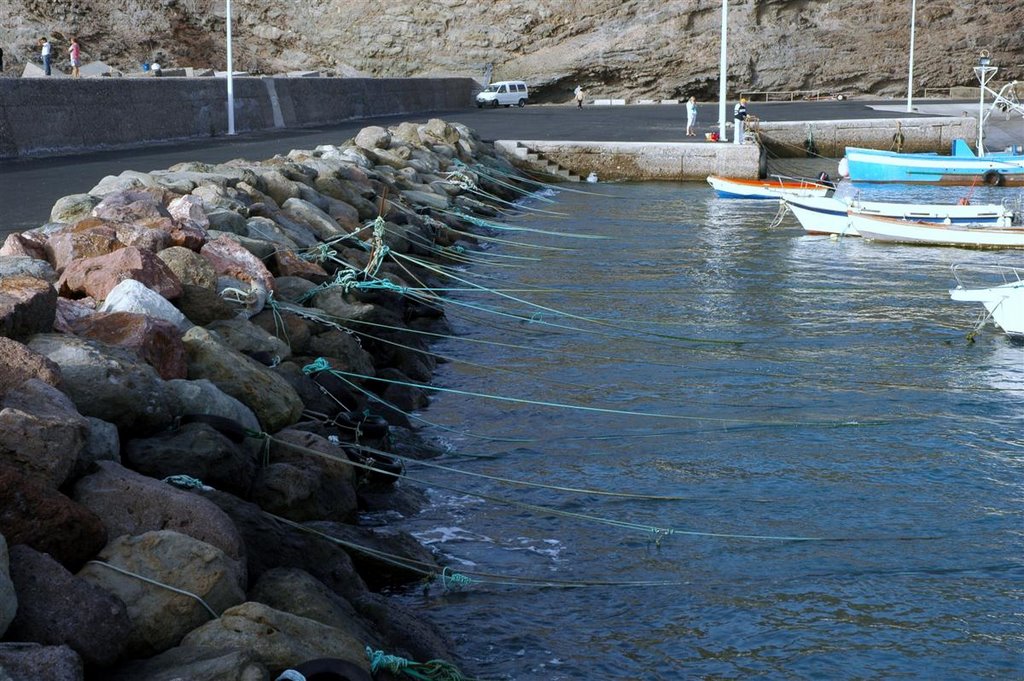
(686, 161)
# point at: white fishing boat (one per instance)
(829, 215)
(1004, 299)
(900, 231)
(769, 188)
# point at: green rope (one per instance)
(452, 581)
(186, 482)
(434, 670)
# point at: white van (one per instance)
(503, 93)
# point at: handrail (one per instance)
(781, 95)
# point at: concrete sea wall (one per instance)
(42, 117)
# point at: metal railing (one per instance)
(781, 95)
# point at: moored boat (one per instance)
(961, 167)
(1004, 300)
(898, 230)
(770, 188)
(829, 215)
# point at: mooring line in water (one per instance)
(321, 364)
(504, 227)
(570, 315)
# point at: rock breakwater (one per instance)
(203, 372)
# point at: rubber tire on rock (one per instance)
(522, 103)
(992, 178)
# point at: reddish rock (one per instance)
(26, 244)
(95, 277)
(18, 363)
(86, 238)
(229, 258)
(132, 205)
(156, 341)
(27, 306)
(189, 236)
(46, 520)
(288, 264)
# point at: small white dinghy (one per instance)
(1004, 300)
(771, 188)
(899, 231)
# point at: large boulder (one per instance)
(272, 543)
(160, 617)
(309, 478)
(40, 516)
(23, 265)
(57, 608)
(133, 504)
(18, 364)
(154, 340)
(270, 397)
(134, 296)
(203, 397)
(107, 382)
(278, 639)
(199, 451)
(251, 340)
(97, 276)
(192, 664)
(299, 593)
(8, 596)
(41, 431)
(191, 268)
(27, 305)
(32, 661)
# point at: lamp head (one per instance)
(984, 59)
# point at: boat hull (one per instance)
(829, 215)
(1005, 304)
(740, 188)
(961, 168)
(895, 230)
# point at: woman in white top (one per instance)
(691, 116)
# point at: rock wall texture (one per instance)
(614, 48)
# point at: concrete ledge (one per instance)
(832, 137)
(643, 160)
(49, 116)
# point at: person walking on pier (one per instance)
(44, 52)
(739, 115)
(691, 116)
(75, 52)
(579, 96)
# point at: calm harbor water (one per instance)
(828, 479)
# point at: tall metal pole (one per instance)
(231, 82)
(722, 77)
(984, 72)
(910, 70)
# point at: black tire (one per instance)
(494, 104)
(479, 105)
(992, 178)
(522, 103)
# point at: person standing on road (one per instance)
(739, 115)
(75, 52)
(691, 116)
(579, 96)
(44, 52)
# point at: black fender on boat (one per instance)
(992, 178)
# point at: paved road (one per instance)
(29, 188)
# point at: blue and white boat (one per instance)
(961, 167)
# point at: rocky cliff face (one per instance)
(614, 48)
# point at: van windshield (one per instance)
(490, 88)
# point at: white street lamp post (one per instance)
(722, 77)
(984, 72)
(910, 70)
(231, 83)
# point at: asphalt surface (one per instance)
(30, 187)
